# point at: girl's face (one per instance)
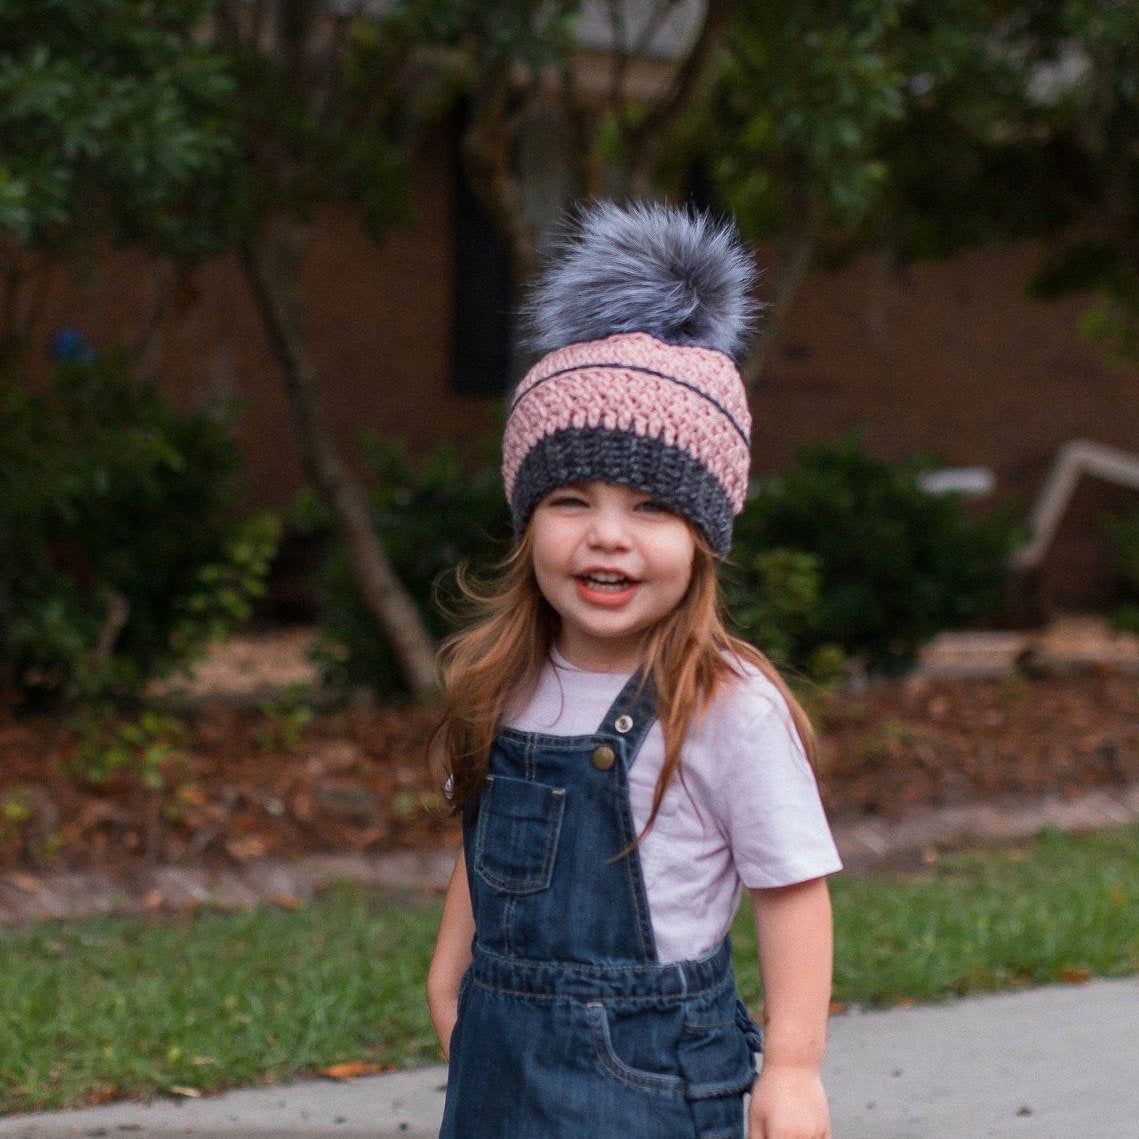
(612, 562)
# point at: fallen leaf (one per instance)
(185, 1092)
(1075, 976)
(245, 848)
(350, 1070)
(286, 901)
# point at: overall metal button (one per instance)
(623, 723)
(604, 757)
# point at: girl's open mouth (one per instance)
(606, 581)
(600, 587)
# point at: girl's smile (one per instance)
(602, 588)
(612, 562)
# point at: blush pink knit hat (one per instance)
(639, 314)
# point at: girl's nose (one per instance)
(607, 530)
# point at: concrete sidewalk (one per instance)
(1052, 1063)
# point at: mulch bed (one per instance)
(243, 783)
(928, 743)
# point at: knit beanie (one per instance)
(639, 314)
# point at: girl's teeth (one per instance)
(606, 580)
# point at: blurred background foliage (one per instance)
(436, 513)
(842, 560)
(196, 127)
(896, 564)
(121, 553)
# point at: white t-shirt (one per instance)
(746, 813)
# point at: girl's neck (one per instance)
(614, 665)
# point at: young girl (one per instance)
(622, 763)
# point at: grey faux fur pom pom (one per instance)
(673, 272)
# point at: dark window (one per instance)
(698, 187)
(484, 301)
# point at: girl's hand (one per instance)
(452, 956)
(788, 1102)
(444, 1017)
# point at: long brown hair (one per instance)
(497, 660)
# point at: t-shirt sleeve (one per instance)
(769, 803)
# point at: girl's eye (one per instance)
(566, 499)
(651, 506)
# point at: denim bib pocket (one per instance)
(516, 837)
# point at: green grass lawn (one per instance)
(109, 1008)
(1062, 908)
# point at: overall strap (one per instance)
(631, 715)
(619, 738)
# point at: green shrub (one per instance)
(140, 746)
(1124, 532)
(430, 516)
(844, 554)
(896, 564)
(121, 554)
(773, 599)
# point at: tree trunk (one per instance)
(794, 263)
(272, 262)
(645, 142)
(500, 103)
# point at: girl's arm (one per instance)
(796, 944)
(452, 955)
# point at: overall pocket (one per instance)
(716, 1055)
(620, 1069)
(516, 837)
(706, 1111)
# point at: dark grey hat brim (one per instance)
(670, 474)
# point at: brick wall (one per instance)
(946, 358)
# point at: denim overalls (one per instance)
(568, 1024)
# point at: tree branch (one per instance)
(272, 266)
(793, 265)
(645, 141)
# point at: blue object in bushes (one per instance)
(70, 346)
